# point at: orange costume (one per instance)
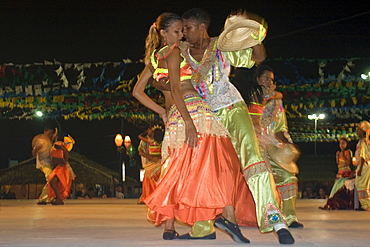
(343, 167)
(199, 182)
(64, 173)
(152, 170)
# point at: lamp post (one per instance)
(118, 140)
(316, 118)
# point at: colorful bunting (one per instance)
(100, 90)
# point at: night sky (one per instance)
(100, 31)
(91, 31)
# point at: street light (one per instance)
(316, 117)
(39, 113)
(365, 76)
(118, 140)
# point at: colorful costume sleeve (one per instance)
(142, 146)
(281, 123)
(242, 58)
(165, 51)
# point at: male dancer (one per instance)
(274, 122)
(210, 77)
(41, 146)
(144, 153)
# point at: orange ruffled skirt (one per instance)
(65, 175)
(245, 207)
(151, 176)
(198, 182)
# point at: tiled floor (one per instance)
(112, 222)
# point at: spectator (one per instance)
(119, 193)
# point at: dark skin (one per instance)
(198, 43)
(281, 137)
(196, 34)
(161, 84)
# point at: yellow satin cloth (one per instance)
(363, 186)
(287, 185)
(363, 182)
(46, 169)
(237, 121)
(259, 178)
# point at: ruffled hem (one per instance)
(148, 186)
(245, 207)
(198, 183)
(65, 175)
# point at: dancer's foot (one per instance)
(296, 224)
(232, 229)
(170, 234)
(57, 203)
(187, 236)
(140, 202)
(285, 237)
(325, 207)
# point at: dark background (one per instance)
(91, 31)
(100, 31)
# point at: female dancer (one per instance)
(202, 167)
(343, 158)
(341, 195)
(271, 131)
(153, 165)
(259, 88)
(61, 177)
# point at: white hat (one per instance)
(285, 156)
(365, 125)
(240, 33)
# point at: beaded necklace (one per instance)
(203, 58)
(199, 77)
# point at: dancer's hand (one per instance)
(191, 135)
(161, 85)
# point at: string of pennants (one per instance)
(89, 91)
(86, 91)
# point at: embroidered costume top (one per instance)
(159, 73)
(211, 75)
(274, 118)
(256, 108)
(155, 148)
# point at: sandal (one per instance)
(169, 234)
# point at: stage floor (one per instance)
(113, 222)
